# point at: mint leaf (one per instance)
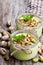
(27, 17)
(18, 38)
(31, 16)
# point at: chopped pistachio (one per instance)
(32, 40)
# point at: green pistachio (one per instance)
(35, 60)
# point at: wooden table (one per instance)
(8, 11)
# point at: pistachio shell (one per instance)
(3, 44)
(41, 58)
(8, 23)
(10, 29)
(40, 51)
(8, 43)
(3, 51)
(0, 35)
(5, 37)
(6, 57)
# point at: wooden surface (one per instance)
(8, 11)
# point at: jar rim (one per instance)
(29, 14)
(26, 31)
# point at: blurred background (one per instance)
(10, 9)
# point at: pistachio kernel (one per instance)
(35, 60)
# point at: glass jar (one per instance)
(24, 52)
(36, 29)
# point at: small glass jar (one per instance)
(24, 52)
(36, 29)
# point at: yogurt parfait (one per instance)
(30, 21)
(24, 45)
